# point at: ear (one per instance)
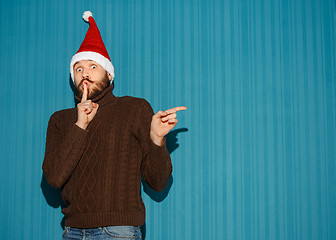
(109, 76)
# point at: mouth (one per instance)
(87, 82)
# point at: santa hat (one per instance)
(92, 48)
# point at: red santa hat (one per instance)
(92, 48)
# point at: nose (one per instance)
(85, 74)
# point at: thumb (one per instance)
(161, 114)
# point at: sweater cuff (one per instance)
(159, 150)
(160, 159)
(77, 137)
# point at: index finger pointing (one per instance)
(175, 109)
(84, 96)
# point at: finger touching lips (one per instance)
(85, 93)
(87, 83)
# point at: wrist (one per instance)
(160, 141)
(81, 125)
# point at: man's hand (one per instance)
(162, 123)
(86, 110)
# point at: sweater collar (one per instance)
(105, 97)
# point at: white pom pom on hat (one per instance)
(92, 48)
(86, 16)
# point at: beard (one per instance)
(96, 88)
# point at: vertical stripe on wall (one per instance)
(254, 154)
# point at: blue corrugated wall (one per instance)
(254, 155)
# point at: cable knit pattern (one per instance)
(99, 169)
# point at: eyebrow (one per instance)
(76, 65)
(80, 65)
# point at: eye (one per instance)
(78, 69)
(93, 66)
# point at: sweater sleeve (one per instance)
(63, 151)
(156, 166)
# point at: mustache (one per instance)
(85, 79)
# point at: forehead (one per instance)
(85, 62)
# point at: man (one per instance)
(97, 152)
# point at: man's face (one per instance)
(93, 75)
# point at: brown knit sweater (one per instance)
(99, 169)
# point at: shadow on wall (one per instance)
(54, 198)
